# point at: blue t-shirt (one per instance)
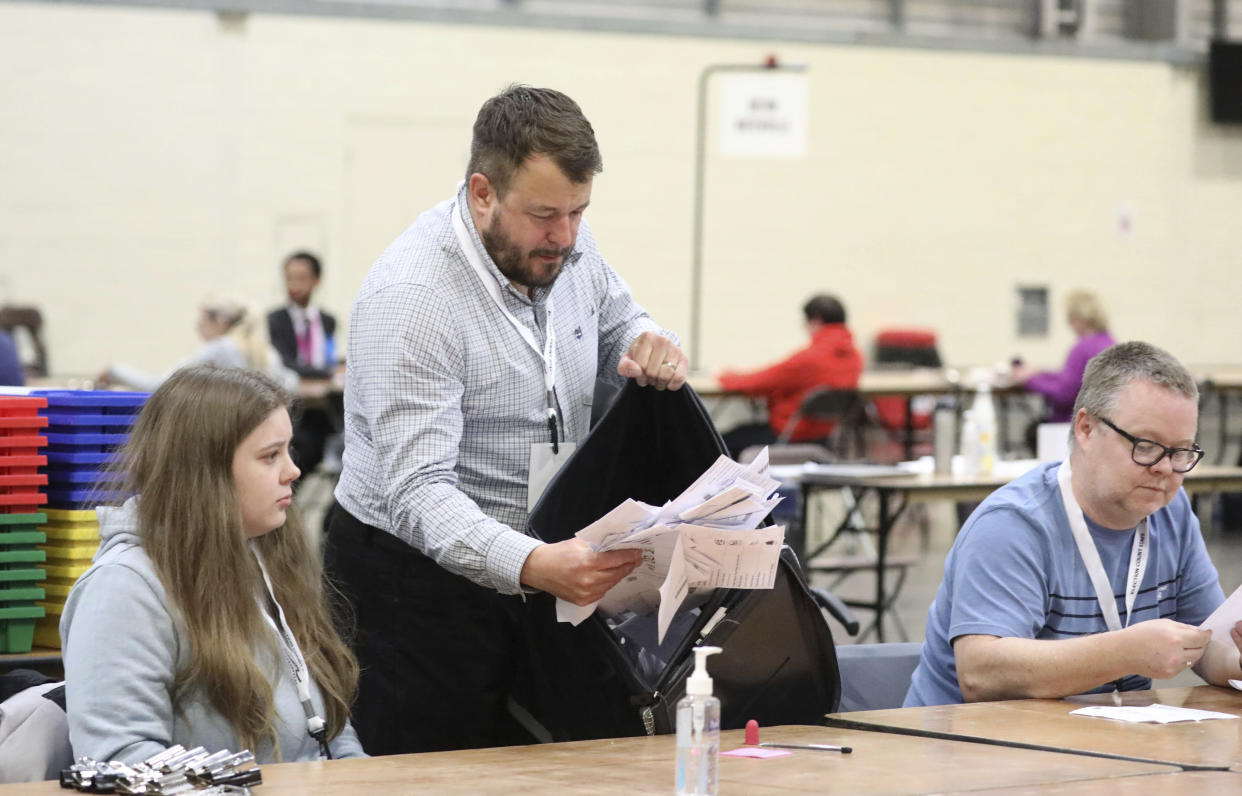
(1015, 572)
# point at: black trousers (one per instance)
(311, 430)
(438, 653)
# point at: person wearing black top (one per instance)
(303, 334)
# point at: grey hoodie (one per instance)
(123, 645)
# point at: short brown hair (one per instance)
(523, 121)
(1111, 371)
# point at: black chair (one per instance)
(848, 549)
(831, 405)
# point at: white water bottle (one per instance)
(698, 731)
(969, 444)
(984, 411)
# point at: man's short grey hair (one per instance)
(1110, 371)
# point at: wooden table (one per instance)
(895, 492)
(38, 656)
(881, 763)
(1048, 723)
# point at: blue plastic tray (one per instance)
(61, 498)
(85, 440)
(94, 399)
(87, 419)
(65, 478)
(76, 457)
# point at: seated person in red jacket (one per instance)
(830, 360)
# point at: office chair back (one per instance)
(27, 320)
(828, 404)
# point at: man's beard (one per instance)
(515, 264)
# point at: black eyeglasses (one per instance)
(1148, 452)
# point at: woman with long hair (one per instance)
(203, 619)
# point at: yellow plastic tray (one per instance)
(72, 552)
(47, 632)
(56, 591)
(73, 532)
(60, 569)
(71, 515)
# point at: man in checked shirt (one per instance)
(475, 344)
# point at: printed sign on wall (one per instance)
(763, 115)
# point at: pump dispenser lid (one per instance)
(699, 684)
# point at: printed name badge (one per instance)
(544, 464)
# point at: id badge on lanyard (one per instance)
(1091, 556)
(546, 458)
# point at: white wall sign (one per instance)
(763, 115)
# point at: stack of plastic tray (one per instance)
(85, 431)
(21, 495)
(85, 428)
(72, 539)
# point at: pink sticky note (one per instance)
(754, 751)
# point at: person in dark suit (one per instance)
(303, 334)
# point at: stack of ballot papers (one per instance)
(708, 536)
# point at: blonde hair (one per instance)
(247, 329)
(179, 460)
(1083, 306)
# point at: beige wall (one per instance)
(150, 157)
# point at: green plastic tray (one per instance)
(23, 519)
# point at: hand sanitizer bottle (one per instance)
(698, 731)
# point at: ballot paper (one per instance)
(1160, 714)
(707, 537)
(1224, 617)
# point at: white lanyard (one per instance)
(297, 663)
(548, 353)
(1091, 556)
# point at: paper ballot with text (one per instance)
(707, 537)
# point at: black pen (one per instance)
(820, 747)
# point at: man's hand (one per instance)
(572, 571)
(1162, 648)
(655, 361)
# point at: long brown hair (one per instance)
(179, 460)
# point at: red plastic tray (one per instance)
(22, 504)
(29, 443)
(26, 464)
(20, 405)
(21, 484)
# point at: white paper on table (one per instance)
(1224, 617)
(738, 559)
(1160, 714)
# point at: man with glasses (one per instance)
(1089, 575)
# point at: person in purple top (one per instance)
(1060, 387)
